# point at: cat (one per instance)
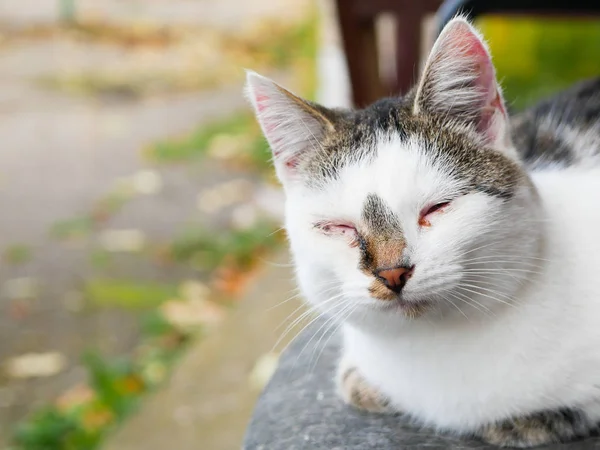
(461, 252)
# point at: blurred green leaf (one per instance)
(195, 144)
(50, 429)
(105, 377)
(209, 250)
(17, 254)
(537, 57)
(100, 258)
(72, 228)
(154, 325)
(127, 294)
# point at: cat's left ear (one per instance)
(459, 82)
(294, 127)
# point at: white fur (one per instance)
(532, 340)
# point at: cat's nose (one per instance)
(395, 278)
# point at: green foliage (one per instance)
(196, 143)
(294, 46)
(241, 131)
(100, 258)
(49, 429)
(17, 254)
(209, 250)
(127, 294)
(116, 388)
(72, 228)
(106, 380)
(154, 325)
(535, 58)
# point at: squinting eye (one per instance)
(435, 208)
(425, 212)
(341, 229)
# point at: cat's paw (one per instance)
(355, 391)
(538, 429)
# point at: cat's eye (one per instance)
(434, 208)
(341, 229)
(428, 211)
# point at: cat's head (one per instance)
(412, 205)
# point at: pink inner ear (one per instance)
(261, 105)
(261, 99)
(268, 127)
(469, 46)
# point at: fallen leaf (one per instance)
(231, 281)
(96, 419)
(132, 240)
(19, 309)
(20, 288)
(131, 385)
(226, 146)
(263, 370)
(194, 290)
(244, 217)
(147, 182)
(35, 365)
(154, 373)
(192, 313)
(225, 194)
(75, 397)
(161, 254)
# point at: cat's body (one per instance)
(563, 131)
(540, 355)
(463, 261)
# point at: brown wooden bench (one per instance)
(357, 23)
(357, 20)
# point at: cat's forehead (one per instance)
(367, 139)
(399, 174)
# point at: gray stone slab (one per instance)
(299, 410)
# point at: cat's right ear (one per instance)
(293, 127)
(459, 82)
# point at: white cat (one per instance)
(462, 253)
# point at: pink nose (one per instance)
(395, 278)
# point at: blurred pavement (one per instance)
(209, 400)
(60, 154)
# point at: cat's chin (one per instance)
(405, 307)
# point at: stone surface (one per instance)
(300, 410)
(209, 399)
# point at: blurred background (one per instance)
(143, 273)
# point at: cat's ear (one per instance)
(459, 82)
(293, 127)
